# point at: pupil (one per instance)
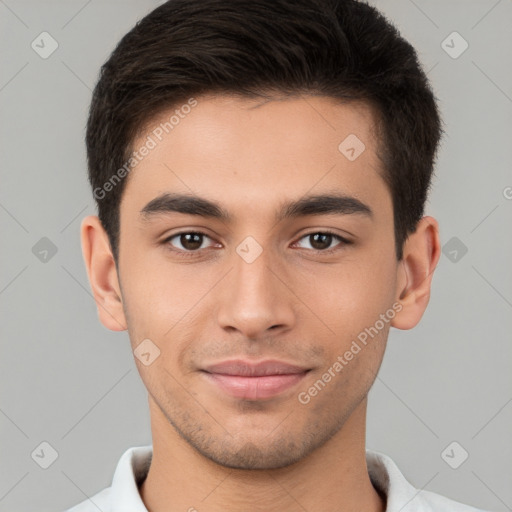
(325, 240)
(188, 243)
(193, 241)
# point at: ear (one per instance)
(102, 273)
(422, 250)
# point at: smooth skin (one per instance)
(294, 303)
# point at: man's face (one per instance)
(213, 298)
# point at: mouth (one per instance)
(254, 381)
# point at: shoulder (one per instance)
(433, 502)
(401, 495)
(123, 495)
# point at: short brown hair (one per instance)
(343, 49)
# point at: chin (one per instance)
(252, 456)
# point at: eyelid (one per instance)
(167, 239)
(343, 241)
(325, 231)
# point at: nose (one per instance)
(256, 297)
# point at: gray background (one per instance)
(67, 380)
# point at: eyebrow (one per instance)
(323, 204)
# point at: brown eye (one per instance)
(186, 242)
(191, 241)
(321, 241)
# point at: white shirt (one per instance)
(123, 495)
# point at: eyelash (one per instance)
(188, 254)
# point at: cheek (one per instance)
(351, 295)
(335, 390)
(350, 301)
(161, 293)
(164, 305)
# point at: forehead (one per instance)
(251, 153)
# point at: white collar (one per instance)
(401, 496)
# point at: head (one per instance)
(303, 134)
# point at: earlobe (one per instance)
(102, 274)
(421, 255)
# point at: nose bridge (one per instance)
(255, 299)
(252, 264)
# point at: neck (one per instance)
(333, 478)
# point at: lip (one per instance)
(254, 381)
